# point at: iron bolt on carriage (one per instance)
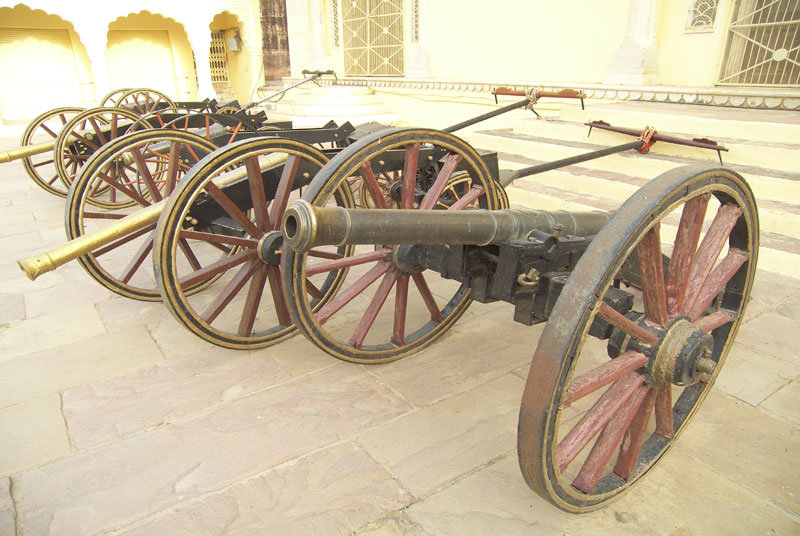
(398, 232)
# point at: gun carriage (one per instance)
(641, 305)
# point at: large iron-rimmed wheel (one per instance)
(144, 100)
(590, 426)
(120, 179)
(45, 128)
(84, 134)
(112, 97)
(389, 307)
(234, 201)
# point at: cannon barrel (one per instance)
(306, 226)
(25, 151)
(50, 260)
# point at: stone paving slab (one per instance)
(115, 419)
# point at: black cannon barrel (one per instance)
(306, 226)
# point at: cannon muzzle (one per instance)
(306, 226)
(52, 259)
(25, 151)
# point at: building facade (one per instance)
(684, 49)
(55, 53)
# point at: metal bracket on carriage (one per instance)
(650, 136)
(534, 94)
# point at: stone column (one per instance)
(636, 60)
(418, 63)
(200, 41)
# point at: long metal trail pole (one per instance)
(284, 90)
(484, 117)
(533, 170)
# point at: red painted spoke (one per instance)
(597, 417)
(354, 290)
(219, 239)
(652, 274)
(432, 195)
(284, 190)
(409, 176)
(191, 152)
(607, 441)
(427, 297)
(313, 291)
(257, 194)
(634, 436)
(355, 260)
(610, 371)
(229, 292)
(217, 268)
(278, 296)
(716, 281)
(47, 129)
(103, 216)
(323, 254)
(82, 138)
(664, 426)
(137, 260)
(468, 198)
(714, 320)
(710, 248)
(233, 211)
(43, 163)
(373, 309)
(173, 165)
(189, 254)
(235, 132)
(618, 320)
(114, 121)
(124, 240)
(144, 174)
(208, 128)
(400, 307)
(253, 300)
(684, 249)
(371, 183)
(98, 130)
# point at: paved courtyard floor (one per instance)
(114, 419)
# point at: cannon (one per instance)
(642, 305)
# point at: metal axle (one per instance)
(306, 226)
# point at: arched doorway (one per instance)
(228, 66)
(43, 61)
(149, 50)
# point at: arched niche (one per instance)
(147, 49)
(44, 64)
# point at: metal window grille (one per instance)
(415, 17)
(218, 58)
(335, 21)
(373, 37)
(763, 44)
(702, 16)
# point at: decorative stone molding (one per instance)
(740, 97)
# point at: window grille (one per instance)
(335, 22)
(763, 46)
(702, 16)
(218, 59)
(372, 34)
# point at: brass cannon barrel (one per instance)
(50, 260)
(306, 226)
(25, 151)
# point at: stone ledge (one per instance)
(741, 97)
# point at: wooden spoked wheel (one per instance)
(144, 100)
(591, 425)
(233, 201)
(121, 179)
(111, 99)
(84, 134)
(45, 128)
(388, 307)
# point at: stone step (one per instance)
(693, 120)
(784, 156)
(316, 105)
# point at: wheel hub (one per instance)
(681, 355)
(408, 259)
(269, 247)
